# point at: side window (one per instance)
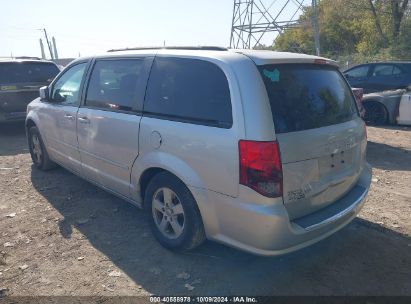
(396, 71)
(358, 72)
(189, 90)
(383, 70)
(114, 84)
(67, 88)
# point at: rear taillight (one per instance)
(260, 167)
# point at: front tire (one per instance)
(38, 151)
(173, 213)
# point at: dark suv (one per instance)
(381, 76)
(20, 80)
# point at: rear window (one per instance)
(307, 96)
(406, 66)
(19, 72)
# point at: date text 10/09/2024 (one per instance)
(188, 299)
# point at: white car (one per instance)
(388, 107)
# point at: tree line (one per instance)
(354, 30)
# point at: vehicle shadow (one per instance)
(387, 157)
(362, 259)
(12, 139)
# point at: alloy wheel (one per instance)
(168, 213)
(36, 148)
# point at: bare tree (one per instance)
(398, 9)
(377, 21)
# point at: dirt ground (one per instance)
(60, 235)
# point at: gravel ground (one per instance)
(60, 235)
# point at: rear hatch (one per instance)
(321, 137)
(20, 82)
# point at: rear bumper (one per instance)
(12, 116)
(265, 228)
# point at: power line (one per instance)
(254, 20)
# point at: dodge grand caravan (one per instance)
(259, 150)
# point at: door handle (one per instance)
(69, 116)
(84, 120)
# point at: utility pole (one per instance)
(316, 28)
(56, 55)
(48, 42)
(43, 55)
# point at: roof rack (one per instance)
(198, 48)
(20, 58)
(28, 57)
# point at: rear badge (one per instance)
(296, 195)
(334, 146)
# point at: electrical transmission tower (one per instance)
(258, 22)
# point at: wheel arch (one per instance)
(381, 103)
(147, 176)
(28, 124)
(390, 104)
(145, 168)
(375, 101)
(32, 121)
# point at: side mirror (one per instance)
(44, 93)
(409, 88)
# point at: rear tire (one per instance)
(375, 114)
(38, 151)
(173, 213)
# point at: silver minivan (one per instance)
(259, 150)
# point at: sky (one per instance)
(87, 27)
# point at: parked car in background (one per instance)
(381, 76)
(259, 150)
(20, 80)
(388, 107)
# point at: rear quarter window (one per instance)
(189, 90)
(307, 96)
(406, 67)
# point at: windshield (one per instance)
(21, 72)
(307, 96)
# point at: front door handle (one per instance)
(68, 116)
(84, 120)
